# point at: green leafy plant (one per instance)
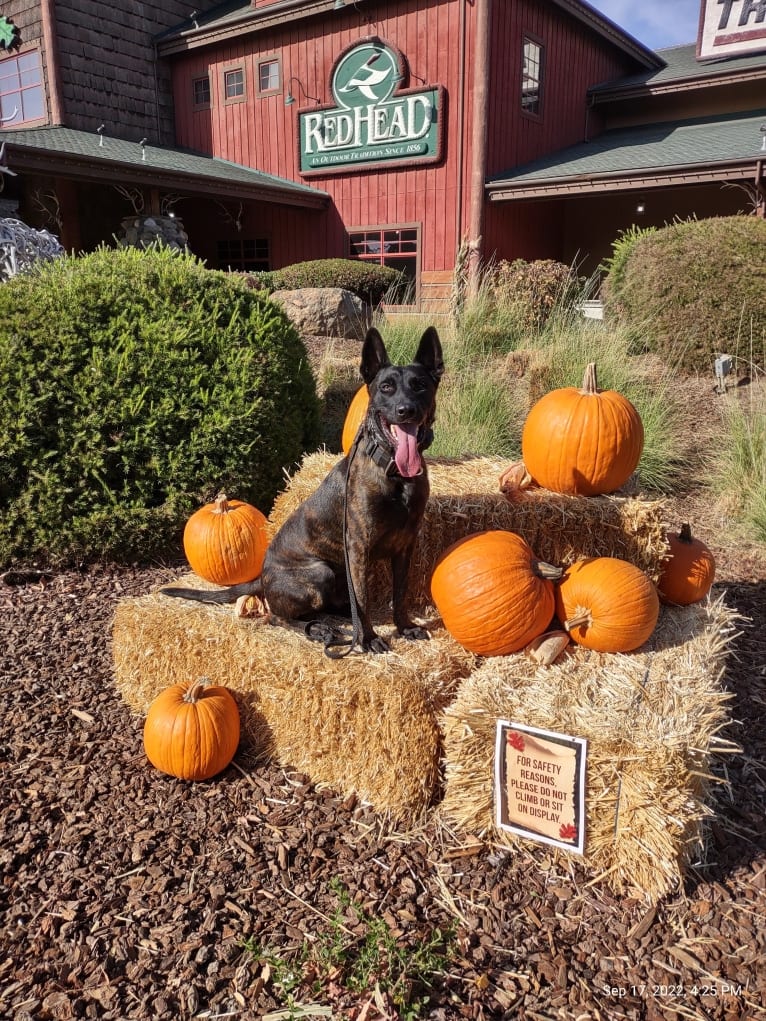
(713, 305)
(358, 951)
(370, 281)
(136, 385)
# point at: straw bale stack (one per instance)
(466, 498)
(363, 724)
(653, 721)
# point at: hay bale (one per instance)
(653, 722)
(466, 498)
(363, 724)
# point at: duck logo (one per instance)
(376, 118)
(368, 74)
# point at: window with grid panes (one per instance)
(234, 83)
(248, 255)
(22, 97)
(201, 91)
(389, 246)
(268, 76)
(532, 77)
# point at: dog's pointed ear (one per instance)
(374, 356)
(429, 353)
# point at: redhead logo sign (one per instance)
(375, 119)
(540, 785)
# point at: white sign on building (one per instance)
(731, 28)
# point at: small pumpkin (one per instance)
(225, 541)
(607, 604)
(582, 442)
(192, 730)
(493, 594)
(355, 415)
(688, 572)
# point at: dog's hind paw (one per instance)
(415, 633)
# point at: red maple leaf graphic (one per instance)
(515, 740)
(567, 831)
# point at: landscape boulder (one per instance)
(325, 312)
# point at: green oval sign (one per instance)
(372, 122)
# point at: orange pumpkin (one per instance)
(582, 442)
(225, 541)
(192, 730)
(607, 604)
(492, 593)
(688, 573)
(357, 410)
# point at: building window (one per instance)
(234, 85)
(390, 246)
(269, 75)
(201, 92)
(22, 97)
(248, 256)
(532, 77)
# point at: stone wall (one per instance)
(143, 231)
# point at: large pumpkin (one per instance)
(688, 573)
(357, 410)
(583, 442)
(607, 604)
(492, 593)
(192, 730)
(225, 541)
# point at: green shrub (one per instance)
(513, 303)
(696, 290)
(622, 249)
(370, 281)
(535, 289)
(136, 384)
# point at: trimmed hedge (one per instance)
(695, 290)
(136, 384)
(370, 281)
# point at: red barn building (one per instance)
(285, 130)
(500, 84)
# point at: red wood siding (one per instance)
(437, 39)
(574, 59)
(263, 132)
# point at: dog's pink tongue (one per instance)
(407, 455)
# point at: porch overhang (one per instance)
(86, 156)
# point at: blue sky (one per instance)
(656, 23)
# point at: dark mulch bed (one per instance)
(129, 895)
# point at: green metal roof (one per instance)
(84, 154)
(681, 66)
(708, 148)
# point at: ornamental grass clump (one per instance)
(136, 385)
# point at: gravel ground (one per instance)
(129, 895)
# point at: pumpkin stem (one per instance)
(547, 571)
(685, 535)
(221, 504)
(196, 691)
(590, 379)
(582, 618)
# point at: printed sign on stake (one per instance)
(540, 785)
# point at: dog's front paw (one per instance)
(376, 644)
(413, 633)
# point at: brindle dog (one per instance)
(368, 508)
